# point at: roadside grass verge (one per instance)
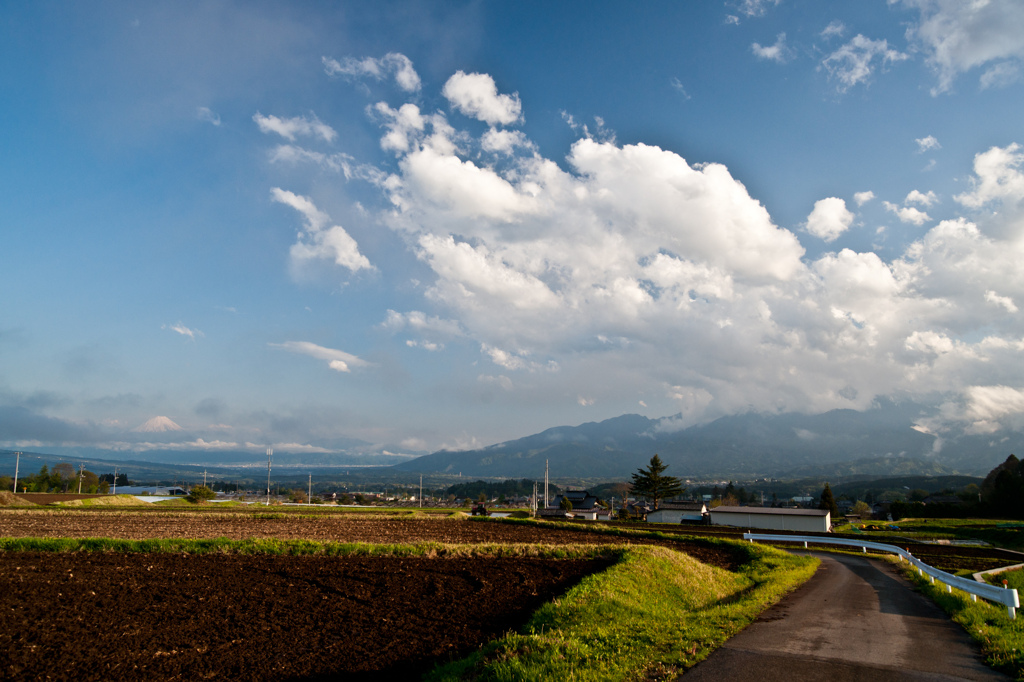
(996, 532)
(1014, 579)
(652, 615)
(1001, 639)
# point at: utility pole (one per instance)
(421, 491)
(17, 461)
(81, 474)
(533, 499)
(270, 453)
(115, 482)
(204, 478)
(545, 484)
(309, 495)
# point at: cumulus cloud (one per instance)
(925, 144)
(476, 95)
(957, 37)
(829, 219)
(338, 360)
(907, 214)
(392, 64)
(997, 177)
(857, 60)
(863, 197)
(918, 197)
(291, 128)
(777, 52)
(624, 266)
(318, 240)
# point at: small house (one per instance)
(678, 512)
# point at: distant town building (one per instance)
(773, 518)
(678, 512)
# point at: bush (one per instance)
(199, 494)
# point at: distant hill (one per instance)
(878, 442)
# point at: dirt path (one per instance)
(856, 619)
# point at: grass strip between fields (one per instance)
(650, 616)
(1001, 639)
(307, 548)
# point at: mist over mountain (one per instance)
(882, 441)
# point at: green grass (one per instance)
(109, 501)
(996, 532)
(1014, 579)
(304, 548)
(1001, 639)
(652, 615)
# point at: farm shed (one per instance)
(772, 518)
(678, 512)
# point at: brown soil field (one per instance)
(108, 616)
(322, 527)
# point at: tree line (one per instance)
(63, 478)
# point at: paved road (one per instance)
(855, 619)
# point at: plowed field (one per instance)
(107, 616)
(325, 527)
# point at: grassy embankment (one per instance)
(654, 613)
(650, 616)
(996, 532)
(1001, 639)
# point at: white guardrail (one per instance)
(999, 595)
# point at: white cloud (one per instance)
(183, 330)
(960, 36)
(829, 219)
(1001, 75)
(624, 266)
(834, 28)
(338, 360)
(319, 241)
(290, 128)
(907, 214)
(775, 53)
(997, 177)
(476, 95)
(1004, 301)
(854, 62)
(393, 63)
(863, 197)
(504, 141)
(917, 197)
(928, 143)
(678, 86)
(204, 114)
(987, 406)
(756, 8)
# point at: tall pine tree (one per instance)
(653, 484)
(828, 502)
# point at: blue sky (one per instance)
(430, 225)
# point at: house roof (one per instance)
(770, 510)
(682, 506)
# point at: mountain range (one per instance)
(877, 442)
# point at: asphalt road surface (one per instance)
(855, 619)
